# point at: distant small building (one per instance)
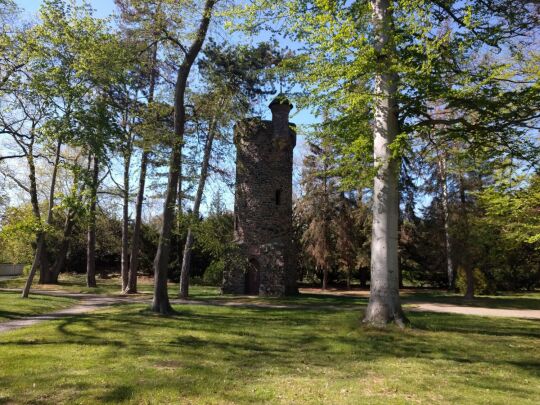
(263, 205)
(9, 269)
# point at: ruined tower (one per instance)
(263, 205)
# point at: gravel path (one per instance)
(479, 311)
(84, 306)
(89, 303)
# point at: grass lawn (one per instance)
(13, 307)
(76, 283)
(224, 355)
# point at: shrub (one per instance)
(213, 274)
(481, 284)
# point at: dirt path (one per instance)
(478, 311)
(92, 302)
(84, 306)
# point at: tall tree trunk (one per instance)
(384, 304)
(50, 276)
(441, 163)
(53, 276)
(124, 270)
(91, 236)
(186, 261)
(35, 265)
(135, 240)
(69, 224)
(161, 302)
(61, 256)
(465, 256)
(40, 259)
(469, 274)
(325, 278)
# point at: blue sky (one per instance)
(105, 8)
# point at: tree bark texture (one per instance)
(465, 254)
(125, 223)
(135, 240)
(186, 260)
(384, 304)
(446, 218)
(40, 259)
(91, 235)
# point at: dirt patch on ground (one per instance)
(89, 303)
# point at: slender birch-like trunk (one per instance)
(384, 304)
(69, 224)
(91, 236)
(135, 240)
(124, 271)
(465, 254)
(186, 260)
(441, 163)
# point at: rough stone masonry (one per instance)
(263, 206)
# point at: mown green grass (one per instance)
(72, 283)
(14, 307)
(224, 355)
(76, 283)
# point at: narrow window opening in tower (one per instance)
(278, 197)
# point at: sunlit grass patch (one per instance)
(224, 355)
(12, 306)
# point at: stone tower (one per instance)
(263, 205)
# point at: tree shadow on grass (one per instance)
(10, 315)
(118, 394)
(480, 325)
(219, 344)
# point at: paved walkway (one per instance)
(92, 302)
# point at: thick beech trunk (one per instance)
(384, 304)
(186, 261)
(160, 302)
(91, 235)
